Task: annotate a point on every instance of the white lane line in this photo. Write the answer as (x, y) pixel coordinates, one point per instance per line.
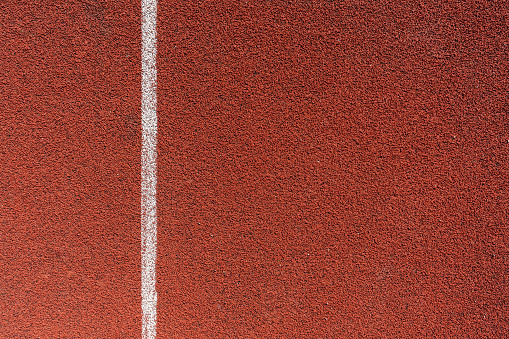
(148, 168)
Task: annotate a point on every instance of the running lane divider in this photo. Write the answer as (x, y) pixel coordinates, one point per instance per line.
(148, 167)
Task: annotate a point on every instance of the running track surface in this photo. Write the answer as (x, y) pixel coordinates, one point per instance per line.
(326, 169)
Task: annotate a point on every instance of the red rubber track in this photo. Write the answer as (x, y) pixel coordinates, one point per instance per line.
(70, 169)
(327, 169)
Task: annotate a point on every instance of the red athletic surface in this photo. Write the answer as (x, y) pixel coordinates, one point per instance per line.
(327, 169)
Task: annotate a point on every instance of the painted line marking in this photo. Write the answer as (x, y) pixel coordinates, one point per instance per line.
(148, 167)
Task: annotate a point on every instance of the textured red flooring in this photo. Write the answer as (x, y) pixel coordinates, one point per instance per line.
(327, 169)
(70, 170)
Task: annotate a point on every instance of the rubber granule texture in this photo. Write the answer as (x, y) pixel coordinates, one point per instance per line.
(326, 169)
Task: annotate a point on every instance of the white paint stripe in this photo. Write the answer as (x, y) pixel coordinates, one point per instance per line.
(148, 168)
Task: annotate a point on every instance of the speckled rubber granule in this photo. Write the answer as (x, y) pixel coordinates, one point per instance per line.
(326, 169)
